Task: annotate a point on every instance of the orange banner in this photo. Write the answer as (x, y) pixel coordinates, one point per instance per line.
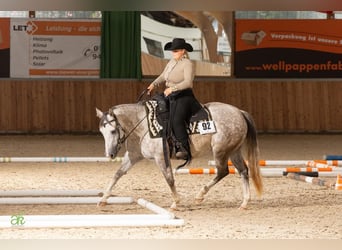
(288, 48)
(63, 28)
(319, 35)
(4, 33)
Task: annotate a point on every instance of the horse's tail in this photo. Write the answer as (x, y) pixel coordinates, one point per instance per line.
(253, 153)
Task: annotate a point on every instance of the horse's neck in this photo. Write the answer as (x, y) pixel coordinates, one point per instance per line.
(129, 115)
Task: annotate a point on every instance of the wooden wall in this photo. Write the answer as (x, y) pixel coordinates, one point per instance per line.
(68, 106)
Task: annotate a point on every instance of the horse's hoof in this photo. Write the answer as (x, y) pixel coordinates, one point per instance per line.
(242, 208)
(174, 207)
(102, 204)
(199, 201)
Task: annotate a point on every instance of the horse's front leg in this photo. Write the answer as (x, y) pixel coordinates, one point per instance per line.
(168, 174)
(127, 163)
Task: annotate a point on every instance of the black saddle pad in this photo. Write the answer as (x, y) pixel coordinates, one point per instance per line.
(155, 128)
(203, 115)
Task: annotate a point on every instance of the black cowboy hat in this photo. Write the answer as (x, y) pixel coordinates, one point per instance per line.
(178, 43)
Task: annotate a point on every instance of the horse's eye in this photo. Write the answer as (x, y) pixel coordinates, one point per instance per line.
(112, 132)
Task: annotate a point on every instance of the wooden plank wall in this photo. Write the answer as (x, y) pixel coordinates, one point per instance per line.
(68, 106)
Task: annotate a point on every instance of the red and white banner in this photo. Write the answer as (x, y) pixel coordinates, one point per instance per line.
(4, 47)
(55, 48)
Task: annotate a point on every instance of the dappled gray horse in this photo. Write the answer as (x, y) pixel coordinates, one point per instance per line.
(127, 124)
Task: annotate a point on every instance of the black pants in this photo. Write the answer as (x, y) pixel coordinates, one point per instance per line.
(182, 106)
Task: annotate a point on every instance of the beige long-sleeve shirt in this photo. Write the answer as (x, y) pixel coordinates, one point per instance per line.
(178, 74)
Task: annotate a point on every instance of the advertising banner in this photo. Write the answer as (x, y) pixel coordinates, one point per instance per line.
(288, 48)
(55, 48)
(4, 47)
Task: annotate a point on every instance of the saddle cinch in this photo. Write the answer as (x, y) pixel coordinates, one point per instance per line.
(158, 113)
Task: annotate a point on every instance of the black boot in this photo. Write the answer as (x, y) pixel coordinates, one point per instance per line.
(181, 154)
(183, 150)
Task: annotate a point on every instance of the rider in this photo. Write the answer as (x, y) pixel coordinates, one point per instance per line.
(178, 77)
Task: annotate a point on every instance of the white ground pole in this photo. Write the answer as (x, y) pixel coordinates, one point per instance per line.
(63, 200)
(23, 193)
(68, 221)
(160, 216)
(59, 159)
(154, 208)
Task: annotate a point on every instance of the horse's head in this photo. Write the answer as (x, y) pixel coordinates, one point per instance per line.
(112, 132)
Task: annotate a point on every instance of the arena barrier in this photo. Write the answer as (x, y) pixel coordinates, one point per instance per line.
(319, 164)
(312, 180)
(59, 159)
(267, 172)
(263, 163)
(338, 185)
(159, 216)
(332, 157)
(311, 174)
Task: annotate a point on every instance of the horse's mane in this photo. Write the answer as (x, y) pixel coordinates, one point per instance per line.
(126, 105)
(124, 108)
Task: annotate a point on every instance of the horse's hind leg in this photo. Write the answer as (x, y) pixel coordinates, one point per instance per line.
(222, 171)
(242, 168)
(127, 163)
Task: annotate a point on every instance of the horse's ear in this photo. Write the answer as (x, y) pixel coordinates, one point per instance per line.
(111, 111)
(99, 113)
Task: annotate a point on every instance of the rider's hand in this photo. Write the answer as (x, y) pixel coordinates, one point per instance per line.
(167, 91)
(150, 88)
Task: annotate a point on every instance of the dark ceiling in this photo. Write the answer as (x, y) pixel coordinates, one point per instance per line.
(169, 17)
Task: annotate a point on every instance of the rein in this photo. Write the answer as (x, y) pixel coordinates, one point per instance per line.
(130, 132)
(144, 92)
(122, 138)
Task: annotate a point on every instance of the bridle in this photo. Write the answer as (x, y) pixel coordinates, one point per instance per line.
(122, 134)
(118, 128)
